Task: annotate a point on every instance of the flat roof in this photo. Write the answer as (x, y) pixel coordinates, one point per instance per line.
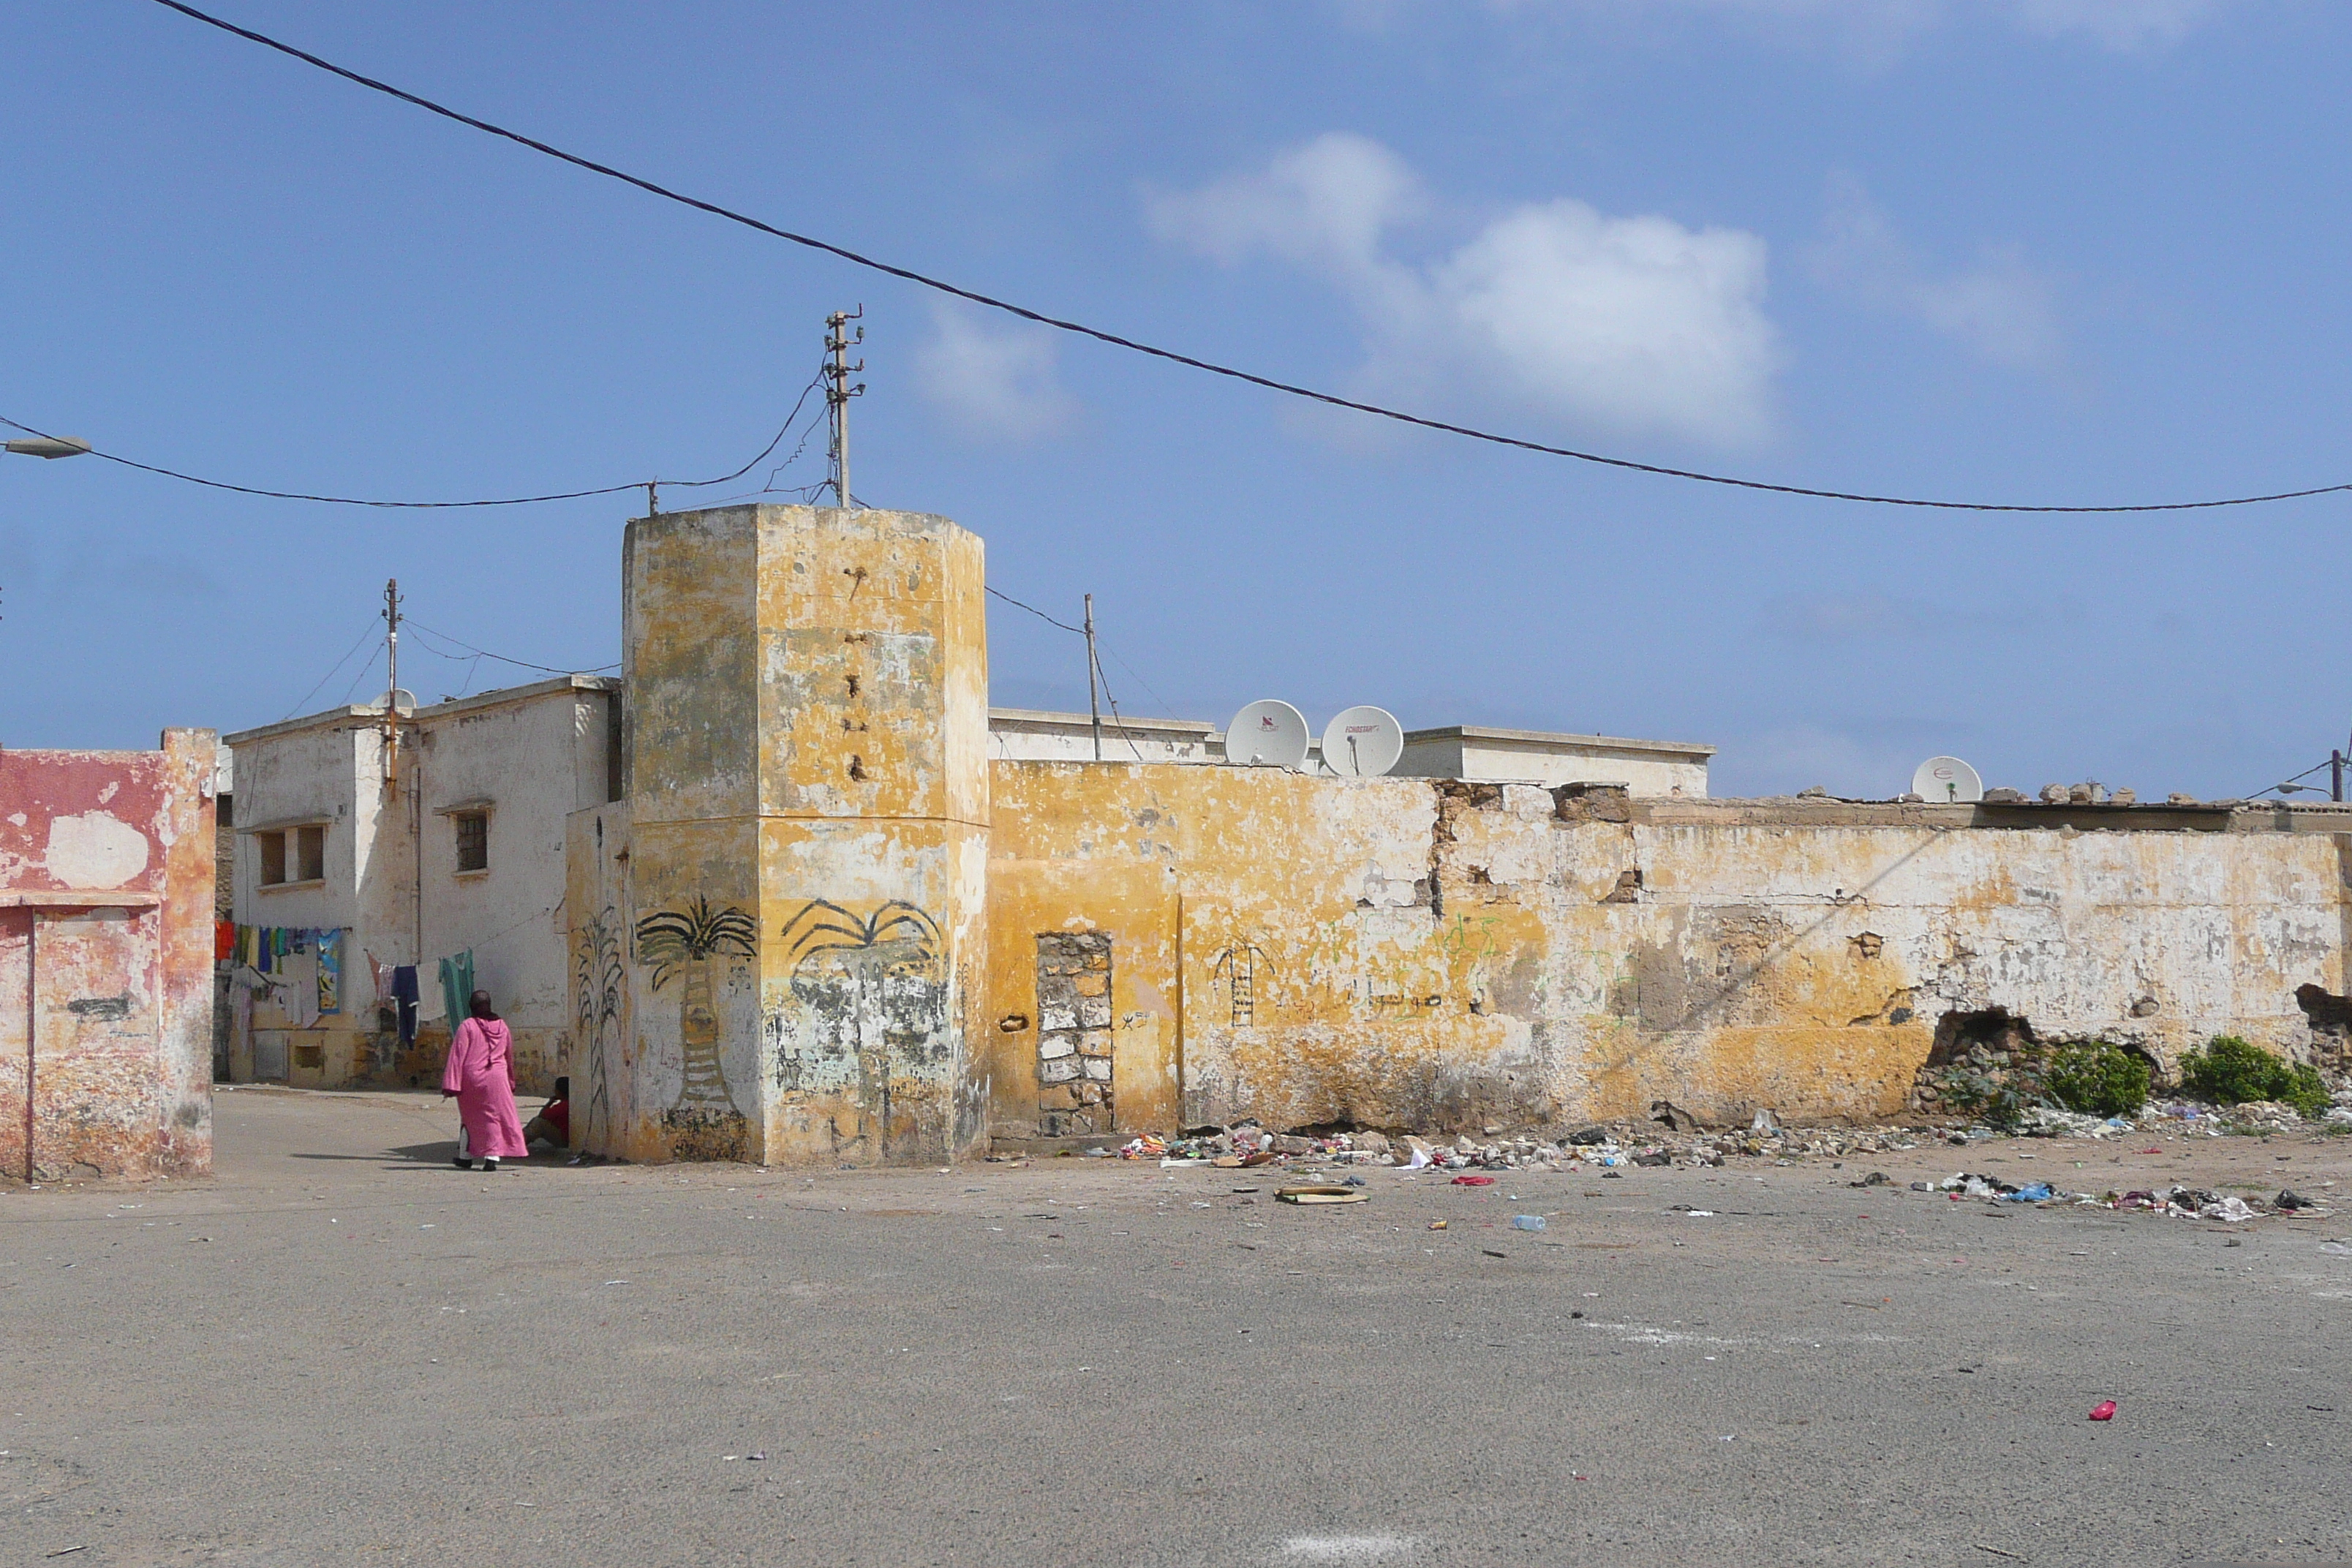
(1039, 719)
(1544, 739)
(479, 700)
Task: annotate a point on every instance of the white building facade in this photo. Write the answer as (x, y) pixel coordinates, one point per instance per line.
(365, 847)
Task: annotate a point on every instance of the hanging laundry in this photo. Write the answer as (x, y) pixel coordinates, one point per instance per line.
(404, 1001)
(224, 941)
(298, 975)
(264, 946)
(379, 975)
(331, 970)
(457, 984)
(433, 1005)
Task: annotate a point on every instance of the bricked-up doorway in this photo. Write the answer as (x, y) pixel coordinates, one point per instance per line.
(1074, 1033)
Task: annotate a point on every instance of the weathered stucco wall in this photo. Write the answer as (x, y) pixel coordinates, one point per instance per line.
(800, 922)
(106, 924)
(528, 756)
(1400, 952)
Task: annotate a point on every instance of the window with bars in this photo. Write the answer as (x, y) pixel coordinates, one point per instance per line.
(473, 829)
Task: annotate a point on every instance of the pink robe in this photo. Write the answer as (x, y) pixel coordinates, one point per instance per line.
(480, 1072)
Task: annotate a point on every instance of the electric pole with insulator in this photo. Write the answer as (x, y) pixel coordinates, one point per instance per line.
(838, 340)
(391, 681)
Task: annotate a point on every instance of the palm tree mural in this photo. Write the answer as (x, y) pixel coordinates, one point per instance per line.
(873, 986)
(603, 978)
(683, 941)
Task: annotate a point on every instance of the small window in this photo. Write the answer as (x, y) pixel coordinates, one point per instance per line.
(311, 845)
(473, 840)
(273, 857)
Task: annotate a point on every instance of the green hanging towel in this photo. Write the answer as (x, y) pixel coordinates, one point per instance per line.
(457, 988)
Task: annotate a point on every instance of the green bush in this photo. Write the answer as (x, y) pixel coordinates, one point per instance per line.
(2232, 1071)
(2305, 1090)
(2099, 1080)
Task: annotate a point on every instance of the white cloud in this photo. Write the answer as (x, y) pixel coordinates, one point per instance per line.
(1873, 30)
(2117, 23)
(1870, 615)
(993, 382)
(1633, 324)
(2000, 309)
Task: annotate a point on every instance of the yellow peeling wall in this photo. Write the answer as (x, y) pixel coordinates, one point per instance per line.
(1439, 956)
(795, 895)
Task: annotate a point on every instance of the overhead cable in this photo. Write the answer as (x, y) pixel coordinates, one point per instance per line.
(436, 505)
(485, 652)
(1036, 611)
(1211, 366)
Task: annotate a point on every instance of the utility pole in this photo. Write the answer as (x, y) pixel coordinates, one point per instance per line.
(1094, 702)
(838, 340)
(2335, 775)
(392, 682)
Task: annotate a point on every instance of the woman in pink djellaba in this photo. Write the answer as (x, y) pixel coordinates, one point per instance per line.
(480, 1078)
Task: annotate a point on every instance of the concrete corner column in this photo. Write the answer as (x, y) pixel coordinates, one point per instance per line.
(806, 773)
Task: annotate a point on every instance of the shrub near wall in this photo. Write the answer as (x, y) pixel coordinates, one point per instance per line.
(2232, 1071)
(2098, 1078)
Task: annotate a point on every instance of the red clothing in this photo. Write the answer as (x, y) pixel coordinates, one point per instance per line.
(481, 1073)
(559, 1116)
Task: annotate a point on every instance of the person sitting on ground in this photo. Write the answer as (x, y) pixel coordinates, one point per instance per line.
(479, 1076)
(553, 1125)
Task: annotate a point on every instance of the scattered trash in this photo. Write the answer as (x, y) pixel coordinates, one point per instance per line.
(2104, 1410)
(1877, 1179)
(1437, 1224)
(2031, 1193)
(1474, 1180)
(1492, 1252)
(2289, 1199)
(1311, 1195)
(1527, 1222)
(2228, 1210)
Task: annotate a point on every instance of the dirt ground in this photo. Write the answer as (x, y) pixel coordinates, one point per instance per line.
(341, 1349)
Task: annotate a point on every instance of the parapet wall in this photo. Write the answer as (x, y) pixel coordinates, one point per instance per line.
(106, 961)
(1434, 954)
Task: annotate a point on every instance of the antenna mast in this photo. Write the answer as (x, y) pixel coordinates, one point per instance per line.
(391, 681)
(838, 340)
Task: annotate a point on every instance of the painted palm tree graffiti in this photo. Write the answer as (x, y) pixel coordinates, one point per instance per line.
(1238, 965)
(683, 942)
(875, 991)
(601, 978)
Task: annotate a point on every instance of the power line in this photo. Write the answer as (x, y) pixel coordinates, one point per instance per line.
(1210, 366)
(435, 505)
(364, 633)
(485, 652)
(1036, 611)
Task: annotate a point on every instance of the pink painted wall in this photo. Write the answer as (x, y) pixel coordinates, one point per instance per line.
(106, 961)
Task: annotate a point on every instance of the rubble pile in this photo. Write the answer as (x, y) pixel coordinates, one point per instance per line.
(1607, 1146)
(2174, 1201)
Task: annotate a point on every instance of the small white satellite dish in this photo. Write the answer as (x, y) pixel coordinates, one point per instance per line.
(1947, 780)
(404, 701)
(1362, 743)
(1269, 734)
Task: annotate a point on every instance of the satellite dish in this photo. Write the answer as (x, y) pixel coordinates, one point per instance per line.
(404, 701)
(1362, 743)
(1268, 734)
(1947, 780)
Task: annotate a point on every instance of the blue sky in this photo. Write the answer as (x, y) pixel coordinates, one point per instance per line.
(2070, 251)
